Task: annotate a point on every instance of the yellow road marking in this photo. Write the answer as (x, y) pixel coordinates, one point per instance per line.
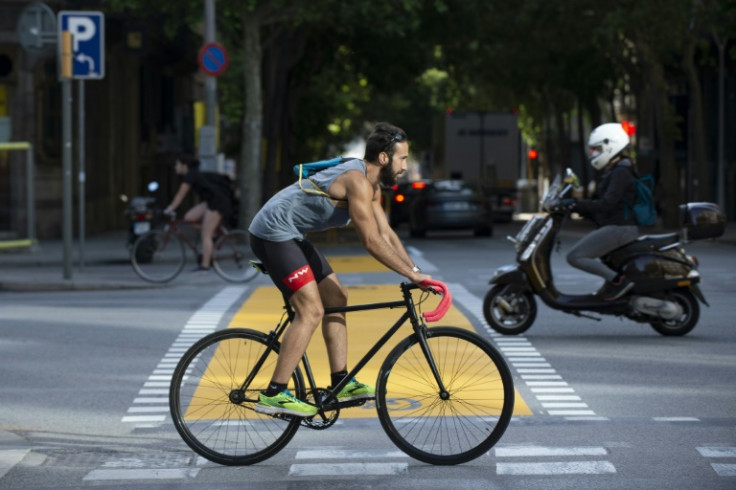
(344, 264)
(261, 312)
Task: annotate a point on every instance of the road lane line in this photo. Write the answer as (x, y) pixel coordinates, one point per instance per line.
(717, 451)
(536, 451)
(11, 457)
(347, 453)
(348, 469)
(142, 474)
(724, 469)
(556, 468)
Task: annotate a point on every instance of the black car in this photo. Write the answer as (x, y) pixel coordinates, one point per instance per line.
(503, 204)
(450, 205)
(402, 195)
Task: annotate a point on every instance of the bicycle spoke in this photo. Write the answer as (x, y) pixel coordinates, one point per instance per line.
(221, 429)
(158, 256)
(231, 257)
(459, 427)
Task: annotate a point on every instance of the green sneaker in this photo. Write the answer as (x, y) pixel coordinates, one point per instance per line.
(284, 403)
(355, 390)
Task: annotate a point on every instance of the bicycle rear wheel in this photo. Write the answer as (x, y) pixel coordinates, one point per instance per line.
(157, 256)
(210, 411)
(231, 256)
(450, 428)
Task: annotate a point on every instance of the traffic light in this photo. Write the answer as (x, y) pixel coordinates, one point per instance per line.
(532, 154)
(629, 127)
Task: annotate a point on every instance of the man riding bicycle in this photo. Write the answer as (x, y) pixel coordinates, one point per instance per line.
(349, 191)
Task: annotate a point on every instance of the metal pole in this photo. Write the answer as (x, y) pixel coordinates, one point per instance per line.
(82, 176)
(210, 82)
(66, 117)
(721, 180)
(30, 195)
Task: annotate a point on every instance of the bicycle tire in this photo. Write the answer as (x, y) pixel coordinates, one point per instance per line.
(202, 409)
(445, 431)
(164, 256)
(231, 257)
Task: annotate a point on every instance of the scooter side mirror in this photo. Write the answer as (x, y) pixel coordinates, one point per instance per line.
(571, 178)
(152, 186)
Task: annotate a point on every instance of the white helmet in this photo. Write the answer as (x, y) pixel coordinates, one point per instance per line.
(605, 142)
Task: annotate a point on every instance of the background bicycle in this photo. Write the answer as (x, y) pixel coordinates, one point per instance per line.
(444, 395)
(160, 255)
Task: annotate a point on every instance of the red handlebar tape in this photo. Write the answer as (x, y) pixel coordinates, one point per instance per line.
(437, 314)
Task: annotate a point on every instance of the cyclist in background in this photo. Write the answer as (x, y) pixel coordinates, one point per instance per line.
(215, 192)
(350, 191)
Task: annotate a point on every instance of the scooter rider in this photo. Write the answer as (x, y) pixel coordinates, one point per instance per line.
(615, 227)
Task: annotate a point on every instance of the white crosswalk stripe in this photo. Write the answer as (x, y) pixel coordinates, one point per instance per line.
(721, 469)
(204, 321)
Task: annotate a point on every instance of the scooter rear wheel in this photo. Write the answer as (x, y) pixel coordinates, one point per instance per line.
(509, 313)
(686, 321)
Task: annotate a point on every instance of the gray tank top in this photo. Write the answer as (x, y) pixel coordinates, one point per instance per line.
(291, 213)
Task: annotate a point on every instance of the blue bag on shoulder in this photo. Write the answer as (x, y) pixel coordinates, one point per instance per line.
(305, 170)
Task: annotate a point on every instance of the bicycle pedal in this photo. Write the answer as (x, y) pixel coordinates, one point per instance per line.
(354, 403)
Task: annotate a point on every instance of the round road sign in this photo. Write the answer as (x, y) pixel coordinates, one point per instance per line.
(36, 28)
(213, 59)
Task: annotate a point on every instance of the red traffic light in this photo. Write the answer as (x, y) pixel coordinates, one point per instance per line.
(629, 127)
(533, 154)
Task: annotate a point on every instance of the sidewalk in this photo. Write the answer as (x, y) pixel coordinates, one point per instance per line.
(41, 267)
(107, 263)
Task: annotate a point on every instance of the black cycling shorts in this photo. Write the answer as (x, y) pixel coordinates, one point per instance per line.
(291, 264)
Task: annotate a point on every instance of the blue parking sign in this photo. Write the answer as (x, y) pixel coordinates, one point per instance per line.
(88, 42)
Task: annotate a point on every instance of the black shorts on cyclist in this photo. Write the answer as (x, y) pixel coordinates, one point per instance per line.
(291, 264)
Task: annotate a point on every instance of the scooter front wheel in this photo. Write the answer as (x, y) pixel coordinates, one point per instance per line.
(509, 313)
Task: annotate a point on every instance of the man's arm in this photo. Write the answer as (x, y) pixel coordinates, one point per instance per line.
(385, 230)
(360, 195)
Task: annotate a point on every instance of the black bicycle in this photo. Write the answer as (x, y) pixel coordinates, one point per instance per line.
(444, 395)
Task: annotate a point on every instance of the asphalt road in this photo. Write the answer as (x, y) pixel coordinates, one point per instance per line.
(614, 404)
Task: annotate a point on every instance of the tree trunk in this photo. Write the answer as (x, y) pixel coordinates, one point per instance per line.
(249, 174)
(698, 156)
(668, 190)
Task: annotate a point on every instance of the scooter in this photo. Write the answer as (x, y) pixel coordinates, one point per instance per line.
(665, 293)
(141, 213)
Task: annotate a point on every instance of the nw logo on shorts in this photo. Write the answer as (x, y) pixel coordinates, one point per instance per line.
(298, 274)
(299, 278)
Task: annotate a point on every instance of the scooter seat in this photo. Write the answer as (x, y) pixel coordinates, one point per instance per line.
(653, 242)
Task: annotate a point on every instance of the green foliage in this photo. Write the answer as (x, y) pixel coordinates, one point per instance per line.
(407, 61)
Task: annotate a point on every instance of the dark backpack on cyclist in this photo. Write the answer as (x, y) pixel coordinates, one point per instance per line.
(645, 213)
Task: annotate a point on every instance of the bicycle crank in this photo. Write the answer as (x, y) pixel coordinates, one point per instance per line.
(326, 417)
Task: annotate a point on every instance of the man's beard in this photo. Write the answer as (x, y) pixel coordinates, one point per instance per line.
(388, 176)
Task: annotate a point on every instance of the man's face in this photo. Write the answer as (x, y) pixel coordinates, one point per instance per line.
(396, 167)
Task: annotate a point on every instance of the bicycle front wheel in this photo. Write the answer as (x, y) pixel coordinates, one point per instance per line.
(214, 414)
(231, 257)
(157, 256)
(452, 427)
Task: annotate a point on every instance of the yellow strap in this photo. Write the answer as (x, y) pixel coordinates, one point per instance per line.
(316, 189)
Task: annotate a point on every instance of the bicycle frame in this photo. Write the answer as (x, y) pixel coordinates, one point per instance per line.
(410, 314)
(174, 227)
